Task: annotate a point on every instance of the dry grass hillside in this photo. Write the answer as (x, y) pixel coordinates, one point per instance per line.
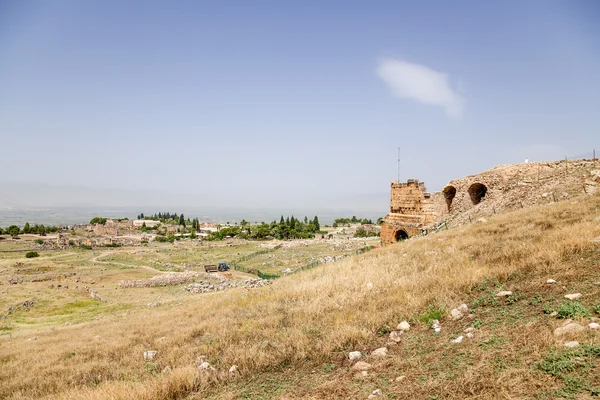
(291, 339)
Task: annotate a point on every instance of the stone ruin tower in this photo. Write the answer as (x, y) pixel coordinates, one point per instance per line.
(412, 210)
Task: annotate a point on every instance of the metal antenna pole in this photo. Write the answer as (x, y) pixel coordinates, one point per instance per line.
(398, 164)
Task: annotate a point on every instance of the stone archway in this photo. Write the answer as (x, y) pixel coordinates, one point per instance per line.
(400, 234)
(477, 192)
(449, 193)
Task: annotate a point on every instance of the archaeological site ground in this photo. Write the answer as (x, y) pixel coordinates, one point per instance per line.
(488, 289)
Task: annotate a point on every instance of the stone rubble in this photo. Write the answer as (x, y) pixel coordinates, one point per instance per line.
(396, 336)
(572, 345)
(594, 325)
(375, 393)
(362, 366)
(207, 286)
(354, 355)
(567, 328)
(550, 281)
(150, 354)
(504, 293)
(458, 340)
(573, 296)
(403, 326)
(435, 325)
(380, 352)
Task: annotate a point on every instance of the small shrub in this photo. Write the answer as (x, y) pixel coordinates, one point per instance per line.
(547, 308)
(71, 243)
(596, 308)
(85, 247)
(32, 254)
(431, 314)
(39, 241)
(572, 309)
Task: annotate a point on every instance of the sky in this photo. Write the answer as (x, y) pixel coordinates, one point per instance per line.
(272, 104)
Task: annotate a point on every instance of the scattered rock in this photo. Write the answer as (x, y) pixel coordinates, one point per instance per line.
(594, 325)
(31, 339)
(435, 325)
(573, 296)
(572, 344)
(354, 355)
(205, 366)
(375, 393)
(470, 335)
(571, 327)
(504, 293)
(400, 378)
(166, 370)
(458, 340)
(550, 281)
(469, 329)
(380, 352)
(362, 366)
(233, 369)
(456, 314)
(396, 336)
(554, 313)
(403, 326)
(481, 220)
(369, 286)
(150, 354)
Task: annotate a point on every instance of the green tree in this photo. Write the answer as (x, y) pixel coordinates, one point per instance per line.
(13, 230)
(26, 228)
(316, 223)
(193, 235)
(182, 220)
(379, 221)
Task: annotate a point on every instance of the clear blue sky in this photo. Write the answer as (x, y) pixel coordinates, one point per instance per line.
(300, 102)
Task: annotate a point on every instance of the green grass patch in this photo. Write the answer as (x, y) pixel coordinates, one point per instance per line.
(572, 309)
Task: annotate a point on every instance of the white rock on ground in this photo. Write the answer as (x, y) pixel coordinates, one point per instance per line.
(470, 335)
(504, 293)
(362, 366)
(380, 352)
(593, 325)
(400, 378)
(456, 314)
(458, 340)
(150, 354)
(403, 326)
(354, 355)
(469, 329)
(233, 369)
(464, 308)
(435, 325)
(550, 281)
(396, 336)
(375, 393)
(572, 344)
(573, 296)
(369, 286)
(571, 327)
(554, 313)
(205, 366)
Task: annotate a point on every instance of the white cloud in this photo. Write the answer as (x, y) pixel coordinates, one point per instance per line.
(422, 84)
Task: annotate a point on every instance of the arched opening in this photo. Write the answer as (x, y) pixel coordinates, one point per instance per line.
(477, 192)
(401, 235)
(449, 193)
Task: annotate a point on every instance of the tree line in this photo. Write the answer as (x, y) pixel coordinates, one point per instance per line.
(286, 228)
(36, 229)
(348, 221)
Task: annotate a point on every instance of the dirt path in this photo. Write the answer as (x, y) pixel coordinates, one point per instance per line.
(107, 253)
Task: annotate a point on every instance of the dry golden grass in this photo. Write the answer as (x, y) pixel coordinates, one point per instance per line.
(284, 332)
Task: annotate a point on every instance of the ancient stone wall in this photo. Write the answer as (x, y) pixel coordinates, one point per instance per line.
(412, 209)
